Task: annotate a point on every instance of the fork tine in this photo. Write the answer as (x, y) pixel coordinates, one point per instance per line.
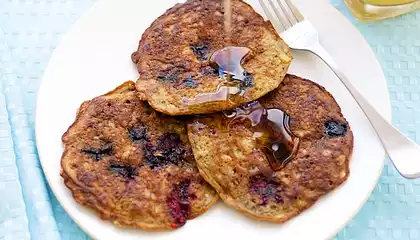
(290, 18)
(299, 17)
(279, 26)
(284, 20)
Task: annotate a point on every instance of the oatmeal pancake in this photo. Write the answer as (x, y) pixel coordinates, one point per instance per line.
(234, 158)
(174, 58)
(133, 165)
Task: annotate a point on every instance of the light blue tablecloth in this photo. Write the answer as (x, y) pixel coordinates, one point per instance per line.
(31, 29)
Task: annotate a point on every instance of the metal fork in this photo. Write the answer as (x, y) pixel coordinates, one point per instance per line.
(300, 34)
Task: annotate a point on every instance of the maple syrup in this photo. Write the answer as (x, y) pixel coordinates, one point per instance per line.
(228, 63)
(222, 94)
(227, 8)
(271, 131)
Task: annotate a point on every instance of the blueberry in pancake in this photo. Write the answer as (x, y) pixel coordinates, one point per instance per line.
(133, 165)
(274, 158)
(177, 58)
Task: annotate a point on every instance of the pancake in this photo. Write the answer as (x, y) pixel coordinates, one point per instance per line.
(133, 165)
(230, 157)
(174, 53)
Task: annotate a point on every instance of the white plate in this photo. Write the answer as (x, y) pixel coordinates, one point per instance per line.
(94, 58)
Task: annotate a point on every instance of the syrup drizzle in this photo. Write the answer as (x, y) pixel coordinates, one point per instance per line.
(222, 94)
(227, 7)
(271, 132)
(228, 62)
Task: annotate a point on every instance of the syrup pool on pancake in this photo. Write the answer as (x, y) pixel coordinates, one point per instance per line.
(234, 79)
(271, 130)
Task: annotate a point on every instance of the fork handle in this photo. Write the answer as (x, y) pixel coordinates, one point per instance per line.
(402, 151)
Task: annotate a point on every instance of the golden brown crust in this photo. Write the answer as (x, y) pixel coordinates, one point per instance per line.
(231, 161)
(132, 165)
(173, 56)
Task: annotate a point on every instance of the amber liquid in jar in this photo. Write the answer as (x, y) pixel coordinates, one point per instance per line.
(373, 10)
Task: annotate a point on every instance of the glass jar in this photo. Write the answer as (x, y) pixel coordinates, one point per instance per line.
(372, 10)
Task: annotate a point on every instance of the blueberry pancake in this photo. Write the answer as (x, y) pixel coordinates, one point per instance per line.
(232, 156)
(174, 58)
(133, 165)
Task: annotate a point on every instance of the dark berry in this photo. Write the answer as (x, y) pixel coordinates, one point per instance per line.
(202, 50)
(169, 149)
(169, 74)
(99, 153)
(125, 171)
(152, 159)
(168, 78)
(183, 190)
(266, 189)
(247, 82)
(137, 133)
(189, 82)
(335, 129)
(178, 203)
(208, 71)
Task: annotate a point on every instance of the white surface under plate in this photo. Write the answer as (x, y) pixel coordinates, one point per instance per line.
(94, 57)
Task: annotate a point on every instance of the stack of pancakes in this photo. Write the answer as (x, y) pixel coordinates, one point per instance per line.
(142, 157)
